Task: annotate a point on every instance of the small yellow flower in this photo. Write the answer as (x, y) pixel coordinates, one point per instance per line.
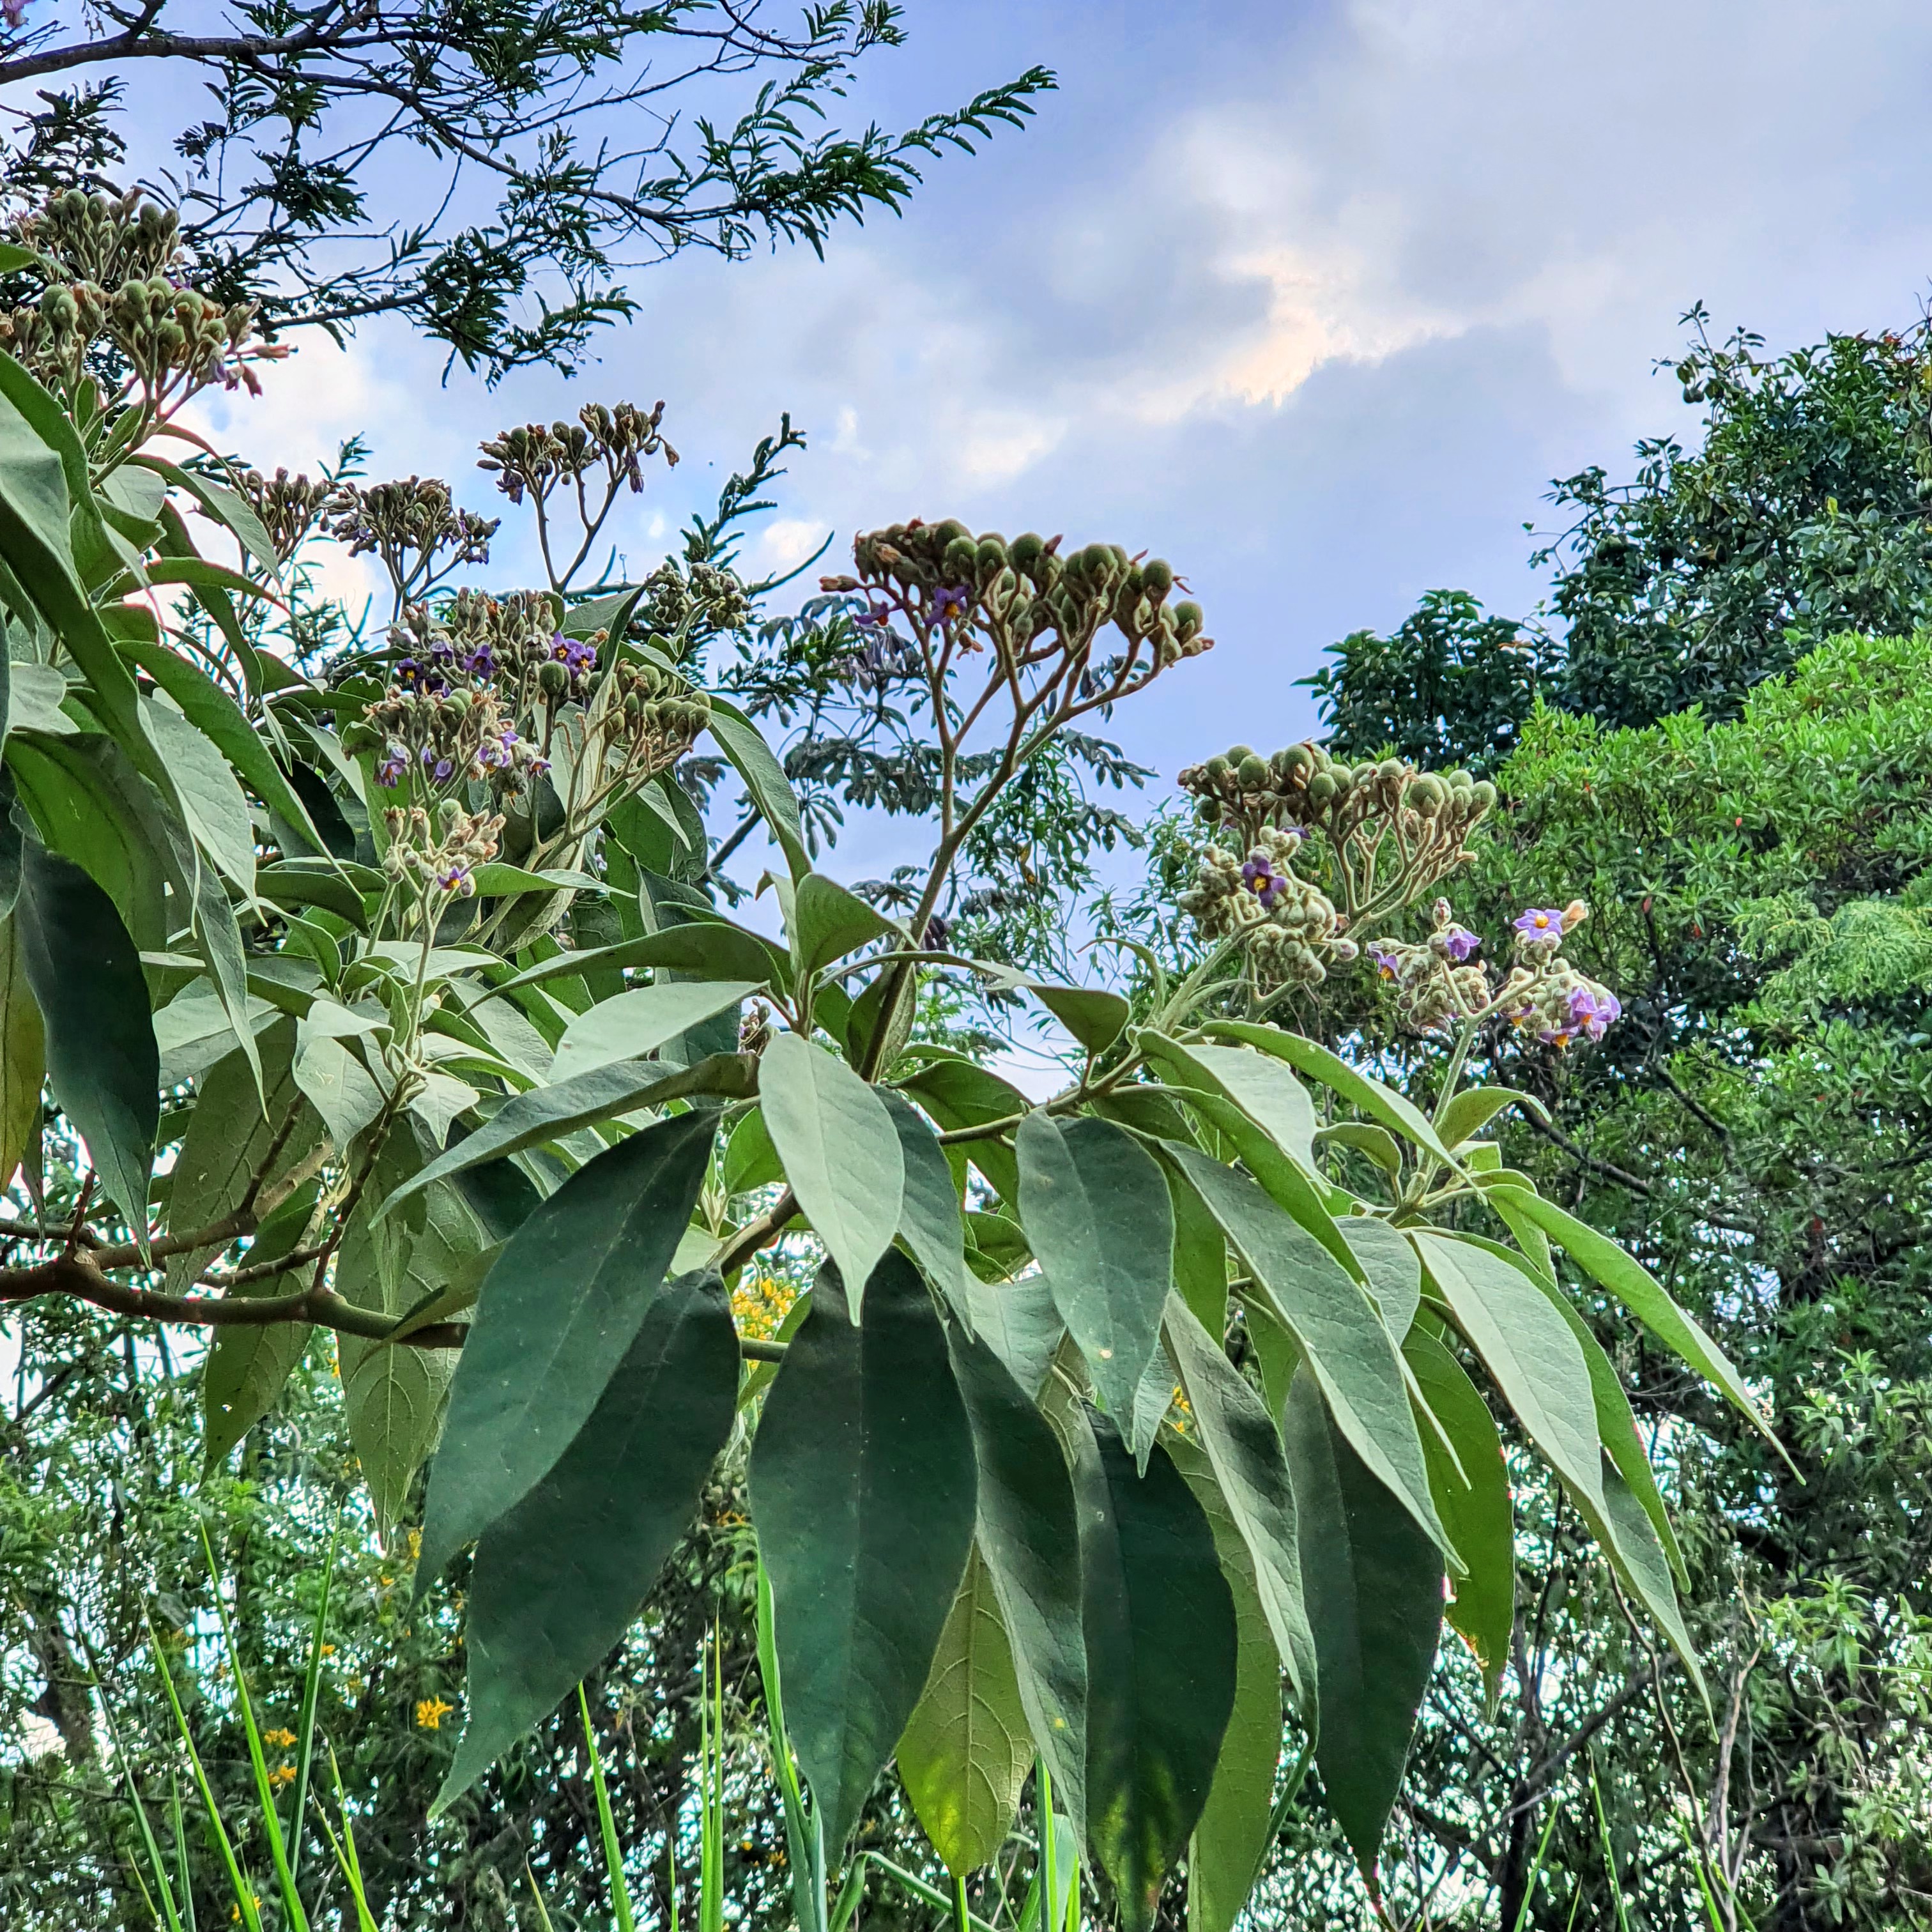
(387, 1582)
(280, 1739)
(431, 1713)
(760, 1305)
(234, 1911)
(283, 1773)
(329, 1650)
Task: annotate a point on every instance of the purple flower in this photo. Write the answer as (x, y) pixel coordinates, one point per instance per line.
(874, 617)
(493, 753)
(1540, 924)
(1261, 878)
(395, 762)
(451, 877)
(1459, 943)
(575, 655)
(439, 769)
(13, 11)
(481, 662)
(1594, 1010)
(1387, 960)
(947, 605)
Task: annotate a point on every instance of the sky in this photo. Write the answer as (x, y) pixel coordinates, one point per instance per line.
(1312, 300)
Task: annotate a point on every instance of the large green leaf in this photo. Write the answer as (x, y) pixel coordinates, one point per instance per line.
(1029, 1535)
(557, 1314)
(862, 1491)
(957, 1094)
(1403, 1119)
(1333, 1322)
(701, 949)
(1530, 1353)
(557, 1581)
(1094, 1204)
(1018, 1318)
(1161, 1646)
(216, 808)
(34, 696)
(101, 1059)
(1095, 1017)
(23, 1056)
(228, 1140)
(765, 780)
(1244, 1448)
(1642, 1294)
(331, 1073)
(1375, 1604)
(1236, 1826)
(247, 1367)
(1200, 1254)
(554, 1113)
(841, 1152)
(1394, 1274)
(965, 1752)
(639, 1022)
(1262, 1087)
(1473, 1503)
(929, 1219)
(828, 923)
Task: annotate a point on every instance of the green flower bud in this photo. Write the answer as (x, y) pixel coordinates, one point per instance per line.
(1188, 618)
(1026, 552)
(1322, 788)
(992, 552)
(1483, 795)
(552, 678)
(961, 556)
(1253, 772)
(1157, 577)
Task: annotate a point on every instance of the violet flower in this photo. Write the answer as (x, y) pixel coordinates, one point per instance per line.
(948, 604)
(1386, 960)
(1459, 943)
(1593, 1010)
(576, 657)
(1540, 924)
(395, 762)
(1261, 878)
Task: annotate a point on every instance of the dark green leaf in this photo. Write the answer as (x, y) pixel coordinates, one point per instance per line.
(1243, 1447)
(558, 1579)
(1394, 1274)
(1470, 1110)
(1375, 1605)
(965, 1752)
(22, 1055)
(102, 1061)
(1161, 1642)
(1094, 1205)
(557, 1314)
(959, 1094)
(764, 778)
(929, 1218)
(840, 1151)
(702, 949)
(1474, 1505)
(247, 1367)
(862, 1491)
(828, 923)
(1095, 1017)
(1333, 1322)
(1028, 1534)
(639, 1022)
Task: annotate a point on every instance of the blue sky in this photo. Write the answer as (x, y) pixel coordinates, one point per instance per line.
(1312, 300)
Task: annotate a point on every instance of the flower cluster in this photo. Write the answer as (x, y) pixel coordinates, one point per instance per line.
(532, 460)
(113, 282)
(436, 723)
(287, 505)
(437, 858)
(759, 1304)
(1293, 931)
(413, 526)
(683, 606)
(1388, 831)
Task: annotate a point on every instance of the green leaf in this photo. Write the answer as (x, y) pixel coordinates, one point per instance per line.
(959, 1094)
(641, 1022)
(22, 1057)
(214, 805)
(1394, 1274)
(1028, 1533)
(1329, 1315)
(292, 883)
(1529, 1351)
(228, 1139)
(965, 1752)
(339, 1086)
(1264, 1089)
(558, 1580)
(840, 1151)
(1094, 1205)
(1243, 1447)
(703, 949)
(225, 506)
(1236, 1826)
(1095, 1017)
(929, 1217)
(1380, 1145)
(1375, 1605)
(556, 1316)
(1470, 1110)
(102, 1061)
(1161, 1643)
(765, 780)
(35, 695)
(214, 713)
(1474, 1506)
(1640, 1291)
(862, 1490)
(1200, 1254)
(194, 1030)
(1398, 1115)
(828, 923)
(247, 1367)
(554, 1113)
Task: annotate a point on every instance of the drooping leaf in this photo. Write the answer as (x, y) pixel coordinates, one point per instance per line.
(1236, 1825)
(1329, 1316)
(1473, 1504)
(1375, 1604)
(965, 1753)
(862, 1491)
(1161, 1646)
(929, 1218)
(216, 809)
(840, 1151)
(35, 695)
(22, 1057)
(1095, 1017)
(829, 922)
(1394, 1272)
(554, 1113)
(1263, 1088)
(701, 949)
(558, 1579)
(332, 1073)
(1470, 1110)
(101, 1059)
(1094, 1205)
(957, 1094)
(1200, 1254)
(639, 1022)
(557, 1314)
(1640, 1291)
(1244, 1448)
(1027, 1533)
(1018, 1318)
(765, 780)
(247, 1366)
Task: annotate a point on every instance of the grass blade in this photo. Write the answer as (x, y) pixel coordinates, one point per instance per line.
(311, 1691)
(613, 1856)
